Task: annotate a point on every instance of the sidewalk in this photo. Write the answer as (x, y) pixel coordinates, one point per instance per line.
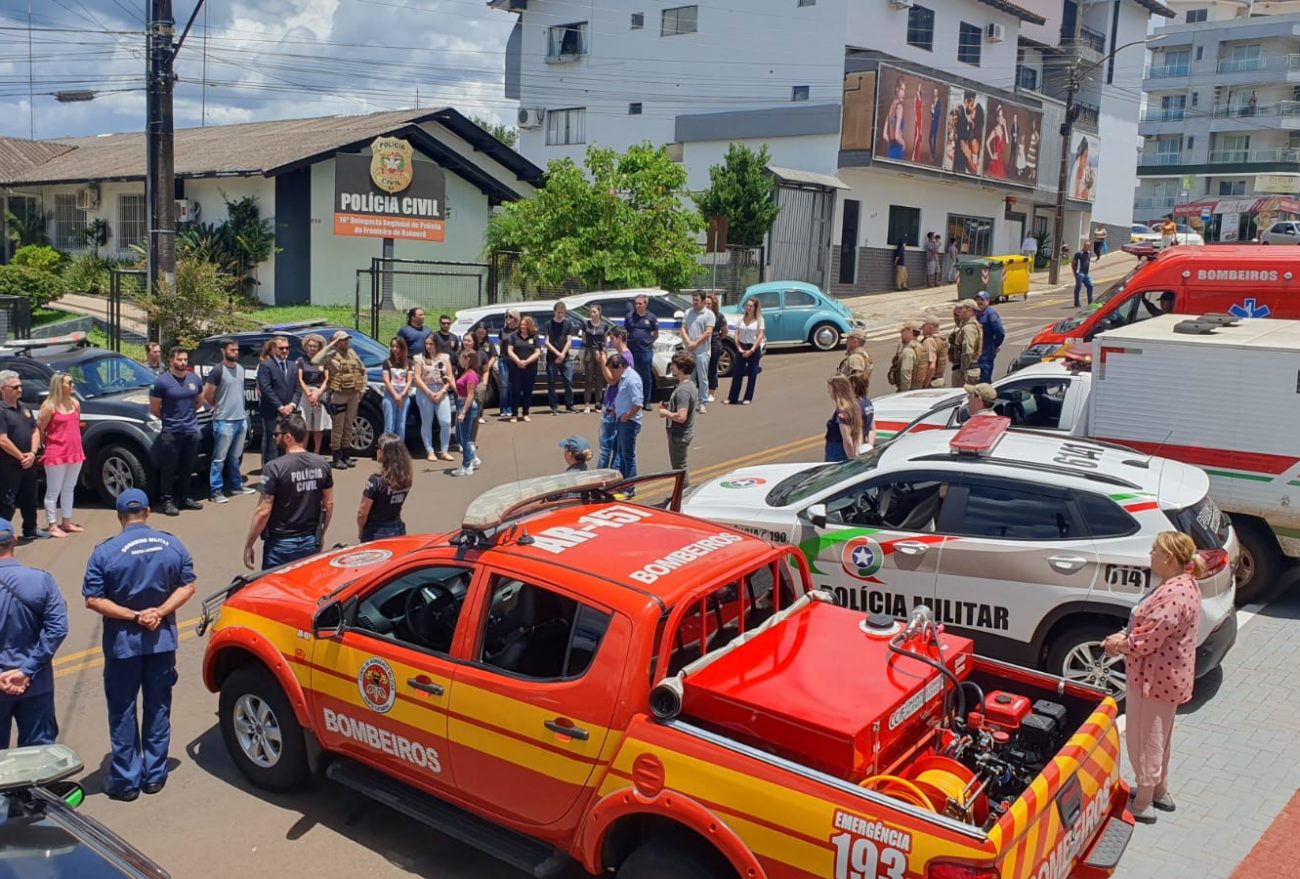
(133, 318)
(893, 307)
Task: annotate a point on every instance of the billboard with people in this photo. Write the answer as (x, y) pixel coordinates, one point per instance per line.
(909, 118)
(1085, 151)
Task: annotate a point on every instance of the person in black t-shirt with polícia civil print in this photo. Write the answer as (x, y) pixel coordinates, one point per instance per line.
(297, 500)
(380, 512)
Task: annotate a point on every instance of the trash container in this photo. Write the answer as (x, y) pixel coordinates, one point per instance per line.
(979, 273)
(1015, 275)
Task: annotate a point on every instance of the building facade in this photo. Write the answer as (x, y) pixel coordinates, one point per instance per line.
(860, 105)
(445, 174)
(1221, 128)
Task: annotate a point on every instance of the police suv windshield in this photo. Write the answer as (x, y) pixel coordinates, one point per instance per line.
(110, 374)
(813, 481)
(372, 353)
(1073, 323)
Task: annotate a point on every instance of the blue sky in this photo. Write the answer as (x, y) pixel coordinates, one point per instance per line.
(265, 59)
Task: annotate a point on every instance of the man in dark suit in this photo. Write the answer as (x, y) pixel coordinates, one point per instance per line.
(277, 388)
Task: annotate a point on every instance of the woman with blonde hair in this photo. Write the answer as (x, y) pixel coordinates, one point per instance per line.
(59, 421)
(313, 381)
(844, 427)
(1159, 647)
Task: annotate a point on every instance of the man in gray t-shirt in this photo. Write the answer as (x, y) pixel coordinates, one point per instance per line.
(679, 412)
(698, 325)
(223, 390)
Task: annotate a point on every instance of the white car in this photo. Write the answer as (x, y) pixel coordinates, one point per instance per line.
(1282, 232)
(669, 308)
(1139, 234)
(1184, 234)
(1036, 546)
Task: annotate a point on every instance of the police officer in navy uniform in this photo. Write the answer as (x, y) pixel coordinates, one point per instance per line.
(136, 581)
(33, 623)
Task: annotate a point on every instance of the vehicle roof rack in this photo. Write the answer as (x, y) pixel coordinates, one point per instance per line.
(295, 325)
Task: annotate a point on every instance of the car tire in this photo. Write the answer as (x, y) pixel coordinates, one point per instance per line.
(1075, 654)
(825, 337)
(117, 468)
(260, 731)
(658, 859)
(726, 360)
(1260, 565)
(367, 427)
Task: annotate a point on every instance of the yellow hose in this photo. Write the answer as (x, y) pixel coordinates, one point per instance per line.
(951, 785)
(914, 794)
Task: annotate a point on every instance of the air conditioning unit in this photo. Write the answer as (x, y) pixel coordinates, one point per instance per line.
(901, 4)
(531, 117)
(187, 211)
(994, 32)
(88, 198)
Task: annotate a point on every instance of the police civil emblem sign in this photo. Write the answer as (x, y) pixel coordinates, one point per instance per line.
(862, 557)
(390, 163)
(376, 684)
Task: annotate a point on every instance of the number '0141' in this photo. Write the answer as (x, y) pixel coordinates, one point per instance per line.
(858, 858)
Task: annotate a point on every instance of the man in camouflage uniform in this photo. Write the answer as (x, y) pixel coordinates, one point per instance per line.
(936, 349)
(347, 382)
(856, 358)
(965, 345)
(910, 365)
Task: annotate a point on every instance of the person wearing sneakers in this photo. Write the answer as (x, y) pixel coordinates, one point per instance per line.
(59, 420)
(679, 413)
(223, 390)
(577, 453)
(466, 412)
(1159, 646)
(618, 339)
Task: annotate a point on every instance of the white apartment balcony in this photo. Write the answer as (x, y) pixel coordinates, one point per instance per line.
(1154, 202)
(1281, 116)
(1262, 70)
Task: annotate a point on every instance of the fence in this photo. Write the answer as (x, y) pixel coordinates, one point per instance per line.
(127, 283)
(392, 286)
(15, 318)
(730, 273)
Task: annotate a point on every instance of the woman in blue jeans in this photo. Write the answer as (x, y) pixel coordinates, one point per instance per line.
(433, 393)
(397, 387)
(380, 512)
(749, 338)
(467, 411)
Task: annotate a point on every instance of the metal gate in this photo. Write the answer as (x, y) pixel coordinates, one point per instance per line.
(15, 318)
(800, 240)
(123, 283)
(397, 285)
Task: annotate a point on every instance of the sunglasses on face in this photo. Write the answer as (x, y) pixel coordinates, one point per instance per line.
(282, 347)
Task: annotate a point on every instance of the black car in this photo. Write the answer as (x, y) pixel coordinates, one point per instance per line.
(42, 835)
(118, 430)
(370, 417)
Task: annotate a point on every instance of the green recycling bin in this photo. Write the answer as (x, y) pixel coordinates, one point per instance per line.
(976, 273)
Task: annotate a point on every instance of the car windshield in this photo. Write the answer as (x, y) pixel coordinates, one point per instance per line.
(811, 482)
(110, 374)
(1076, 321)
(583, 313)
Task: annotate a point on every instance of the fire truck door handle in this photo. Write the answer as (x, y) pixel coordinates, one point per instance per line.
(1066, 564)
(565, 729)
(424, 685)
(911, 547)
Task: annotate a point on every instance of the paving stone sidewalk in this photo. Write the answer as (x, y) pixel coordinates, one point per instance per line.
(1236, 760)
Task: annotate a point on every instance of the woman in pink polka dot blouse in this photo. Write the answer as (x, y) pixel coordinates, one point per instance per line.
(1159, 647)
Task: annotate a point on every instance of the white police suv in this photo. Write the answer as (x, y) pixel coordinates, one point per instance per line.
(1035, 545)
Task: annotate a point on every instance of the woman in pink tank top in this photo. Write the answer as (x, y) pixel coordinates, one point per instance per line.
(60, 425)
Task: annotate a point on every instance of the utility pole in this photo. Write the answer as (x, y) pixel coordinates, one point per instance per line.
(1067, 128)
(160, 160)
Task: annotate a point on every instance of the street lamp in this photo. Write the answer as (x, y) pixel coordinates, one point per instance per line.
(1067, 129)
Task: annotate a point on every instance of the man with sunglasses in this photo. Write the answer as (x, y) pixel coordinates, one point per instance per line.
(20, 440)
(277, 391)
(448, 343)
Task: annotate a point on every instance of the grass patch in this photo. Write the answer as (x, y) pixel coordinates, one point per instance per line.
(43, 316)
(99, 338)
(337, 315)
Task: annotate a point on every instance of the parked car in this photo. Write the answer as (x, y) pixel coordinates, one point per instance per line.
(1139, 234)
(369, 423)
(794, 313)
(1184, 235)
(1282, 232)
(615, 304)
(120, 431)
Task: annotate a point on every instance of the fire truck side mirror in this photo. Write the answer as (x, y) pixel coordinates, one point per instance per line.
(328, 621)
(816, 514)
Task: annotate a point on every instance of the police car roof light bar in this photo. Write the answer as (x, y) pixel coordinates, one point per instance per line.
(295, 325)
(980, 435)
(71, 339)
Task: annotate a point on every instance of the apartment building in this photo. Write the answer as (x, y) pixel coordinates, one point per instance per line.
(885, 119)
(1221, 128)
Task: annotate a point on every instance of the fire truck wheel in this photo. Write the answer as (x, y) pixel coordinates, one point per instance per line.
(1260, 565)
(261, 733)
(660, 860)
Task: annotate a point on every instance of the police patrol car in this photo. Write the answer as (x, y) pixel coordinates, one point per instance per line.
(1035, 545)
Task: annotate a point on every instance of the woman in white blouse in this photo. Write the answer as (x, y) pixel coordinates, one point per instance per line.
(749, 351)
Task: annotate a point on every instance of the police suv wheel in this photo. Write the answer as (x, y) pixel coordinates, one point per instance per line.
(261, 733)
(726, 361)
(118, 468)
(1077, 656)
(682, 859)
(825, 337)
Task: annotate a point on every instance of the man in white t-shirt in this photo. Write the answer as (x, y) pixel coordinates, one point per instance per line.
(697, 330)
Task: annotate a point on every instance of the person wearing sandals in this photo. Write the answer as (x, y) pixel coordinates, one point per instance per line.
(397, 387)
(433, 389)
(467, 411)
(313, 381)
(59, 421)
(380, 512)
(1159, 647)
(749, 352)
(524, 352)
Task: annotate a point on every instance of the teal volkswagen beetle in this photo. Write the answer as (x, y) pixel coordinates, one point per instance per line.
(794, 313)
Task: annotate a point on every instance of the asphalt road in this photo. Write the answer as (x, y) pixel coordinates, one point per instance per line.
(208, 822)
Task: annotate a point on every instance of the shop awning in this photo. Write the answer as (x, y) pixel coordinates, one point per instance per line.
(1271, 204)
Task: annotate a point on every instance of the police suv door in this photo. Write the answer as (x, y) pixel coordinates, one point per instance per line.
(878, 551)
(381, 687)
(1016, 552)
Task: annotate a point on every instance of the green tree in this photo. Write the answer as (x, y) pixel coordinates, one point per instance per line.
(740, 189)
(622, 223)
(504, 133)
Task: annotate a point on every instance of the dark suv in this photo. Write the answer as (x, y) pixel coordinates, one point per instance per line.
(370, 417)
(118, 430)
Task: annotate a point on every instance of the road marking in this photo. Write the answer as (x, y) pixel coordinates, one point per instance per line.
(98, 660)
(68, 658)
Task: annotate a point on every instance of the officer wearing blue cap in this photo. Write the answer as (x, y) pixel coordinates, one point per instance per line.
(33, 623)
(136, 581)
